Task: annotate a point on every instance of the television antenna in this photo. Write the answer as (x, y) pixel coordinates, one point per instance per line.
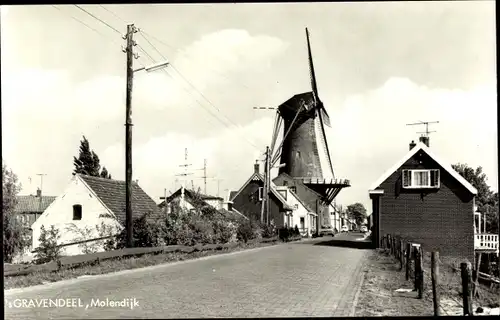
(426, 123)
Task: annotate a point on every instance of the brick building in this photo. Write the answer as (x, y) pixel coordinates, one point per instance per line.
(423, 199)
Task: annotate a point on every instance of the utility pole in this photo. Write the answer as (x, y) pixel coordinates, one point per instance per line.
(264, 212)
(205, 176)
(128, 133)
(268, 184)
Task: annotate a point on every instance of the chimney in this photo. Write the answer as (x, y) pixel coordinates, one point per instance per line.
(412, 144)
(256, 166)
(424, 140)
(38, 192)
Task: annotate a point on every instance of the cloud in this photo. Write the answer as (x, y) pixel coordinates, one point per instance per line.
(49, 111)
(369, 131)
(156, 163)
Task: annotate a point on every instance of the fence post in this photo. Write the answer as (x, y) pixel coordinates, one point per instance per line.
(408, 260)
(388, 239)
(475, 292)
(466, 272)
(435, 281)
(401, 255)
(419, 272)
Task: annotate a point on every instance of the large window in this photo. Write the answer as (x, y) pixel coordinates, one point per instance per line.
(415, 179)
(77, 212)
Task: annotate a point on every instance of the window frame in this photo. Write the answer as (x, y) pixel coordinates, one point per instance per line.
(411, 173)
(260, 193)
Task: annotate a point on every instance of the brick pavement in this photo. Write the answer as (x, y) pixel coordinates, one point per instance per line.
(297, 279)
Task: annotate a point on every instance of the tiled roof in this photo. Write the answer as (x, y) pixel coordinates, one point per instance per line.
(33, 203)
(112, 194)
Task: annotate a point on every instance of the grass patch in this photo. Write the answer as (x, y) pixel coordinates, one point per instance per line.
(383, 276)
(113, 265)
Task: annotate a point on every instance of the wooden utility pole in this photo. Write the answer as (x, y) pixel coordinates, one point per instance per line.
(128, 134)
(264, 212)
(268, 184)
(205, 176)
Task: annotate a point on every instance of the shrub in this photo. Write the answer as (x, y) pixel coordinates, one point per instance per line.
(224, 231)
(283, 234)
(202, 231)
(268, 231)
(48, 250)
(146, 233)
(296, 231)
(247, 230)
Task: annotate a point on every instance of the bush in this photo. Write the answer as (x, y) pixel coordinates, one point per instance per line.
(296, 231)
(224, 231)
(247, 230)
(268, 231)
(48, 249)
(146, 233)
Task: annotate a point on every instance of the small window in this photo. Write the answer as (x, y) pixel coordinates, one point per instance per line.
(414, 179)
(295, 207)
(293, 189)
(283, 193)
(261, 193)
(77, 212)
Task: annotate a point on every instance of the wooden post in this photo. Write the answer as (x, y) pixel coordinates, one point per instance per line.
(401, 255)
(128, 136)
(466, 272)
(408, 260)
(435, 281)
(419, 272)
(476, 276)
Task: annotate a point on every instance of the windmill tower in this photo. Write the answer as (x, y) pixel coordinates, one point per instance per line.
(304, 152)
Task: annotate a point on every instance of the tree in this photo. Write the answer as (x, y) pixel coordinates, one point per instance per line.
(486, 199)
(14, 233)
(357, 212)
(48, 249)
(88, 162)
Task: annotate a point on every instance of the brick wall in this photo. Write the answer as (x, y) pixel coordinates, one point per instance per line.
(439, 219)
(247, 202)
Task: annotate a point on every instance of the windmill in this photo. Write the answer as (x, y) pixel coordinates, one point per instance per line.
(304, 152)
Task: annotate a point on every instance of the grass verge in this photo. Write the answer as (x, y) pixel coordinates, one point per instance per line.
(113, 265)
(383, 277)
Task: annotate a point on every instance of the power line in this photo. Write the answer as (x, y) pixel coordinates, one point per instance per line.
(114, 14)
(83, 23)
(199, 92)
(98, 19)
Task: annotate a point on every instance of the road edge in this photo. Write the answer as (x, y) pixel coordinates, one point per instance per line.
(358, 290)
(127, 271)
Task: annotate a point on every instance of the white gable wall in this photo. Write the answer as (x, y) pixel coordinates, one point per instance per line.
(298, 211)
(60, 214)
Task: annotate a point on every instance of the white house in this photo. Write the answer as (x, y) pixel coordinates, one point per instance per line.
(188, 199)
(88, 202)
(301, 216)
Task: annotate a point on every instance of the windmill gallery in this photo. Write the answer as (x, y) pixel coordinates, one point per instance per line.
(305, 167)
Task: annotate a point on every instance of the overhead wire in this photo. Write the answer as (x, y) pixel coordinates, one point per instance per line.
(144, 34)
(83, 23)
(98, 19)
(198, 91)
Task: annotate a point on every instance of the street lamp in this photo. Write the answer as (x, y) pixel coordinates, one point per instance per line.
(154, 67)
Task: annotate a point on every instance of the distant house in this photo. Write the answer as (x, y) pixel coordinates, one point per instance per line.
(89, 201)
(422, 198)
(248, 200)
(302, 215)
(311, 198)
(30, 208)
(190, 200)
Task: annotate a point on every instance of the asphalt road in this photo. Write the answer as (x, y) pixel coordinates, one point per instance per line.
(308, 278)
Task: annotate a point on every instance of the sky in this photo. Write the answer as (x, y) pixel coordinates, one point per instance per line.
(379, 66)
